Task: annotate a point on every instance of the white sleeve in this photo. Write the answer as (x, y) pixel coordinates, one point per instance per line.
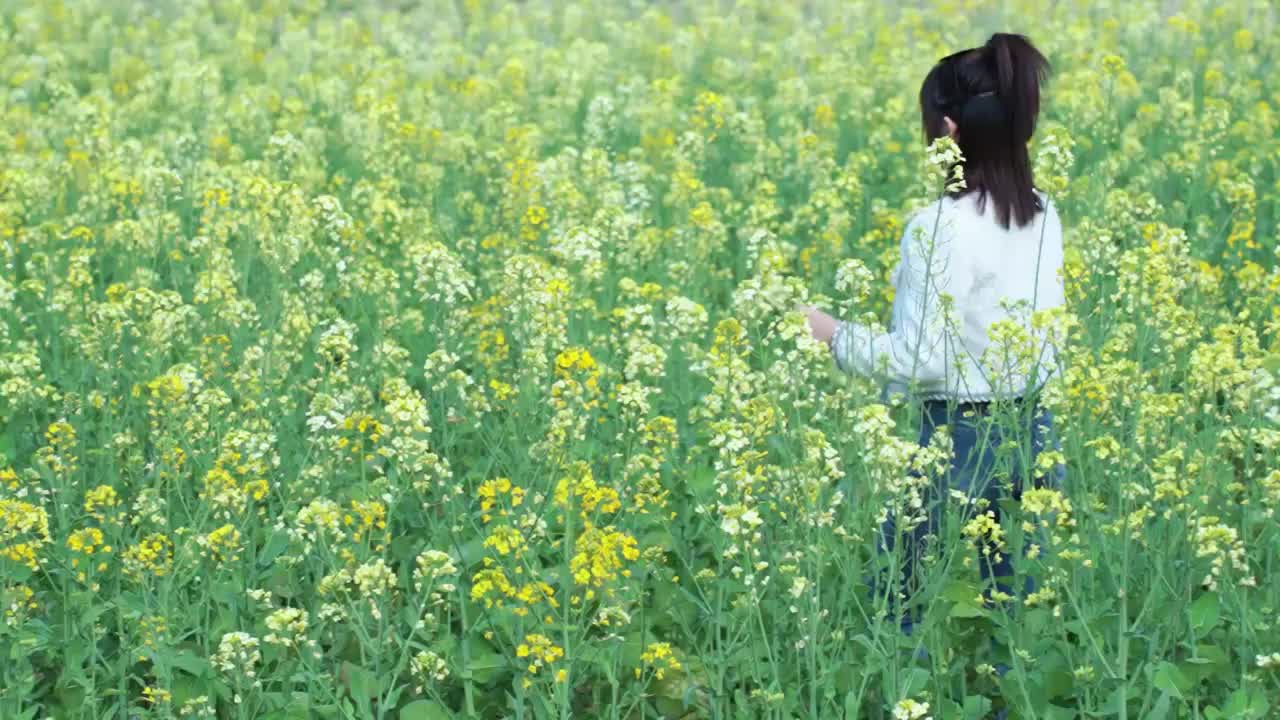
(915, 346)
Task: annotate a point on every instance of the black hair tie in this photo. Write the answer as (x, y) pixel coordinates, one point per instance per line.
(988, 94)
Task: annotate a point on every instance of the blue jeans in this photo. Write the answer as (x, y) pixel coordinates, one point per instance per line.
(980, 470)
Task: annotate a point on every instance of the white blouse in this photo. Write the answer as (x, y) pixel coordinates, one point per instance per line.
(952, 250)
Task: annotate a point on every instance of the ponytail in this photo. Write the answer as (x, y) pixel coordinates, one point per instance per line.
(992, 94)
(1019, 69)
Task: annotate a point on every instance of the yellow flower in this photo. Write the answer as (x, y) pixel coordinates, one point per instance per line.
(535, 215)
(1112, 64)
(702, 216)
(24, 529)
(491, 585)
(983, 527)
(824, 116)
(86, 541)
(493, 490)
(17, 601)
(574, 359)
(661, 657)
(155, 696)
(539, 650)
(505, 540)
(60, 435)
(153, 555)
(1042, 501)
(224, 542)
(601, 556)
(288, 626)
(365, 516)
(501, 391)
(583, 488)
(100, 498)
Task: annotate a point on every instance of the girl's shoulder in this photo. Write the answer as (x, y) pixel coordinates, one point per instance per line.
(1047, 203)
(932, 230)
(1050, 210)
(941, 212)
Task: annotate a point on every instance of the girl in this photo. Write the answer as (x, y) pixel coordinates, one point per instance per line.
(988, 252)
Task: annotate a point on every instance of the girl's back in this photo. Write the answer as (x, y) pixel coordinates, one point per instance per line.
(992, 274)
(962, 273)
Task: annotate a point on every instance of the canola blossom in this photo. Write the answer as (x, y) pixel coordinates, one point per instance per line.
(439, 360)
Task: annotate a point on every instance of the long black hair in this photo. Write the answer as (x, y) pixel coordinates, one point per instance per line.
(992, 94)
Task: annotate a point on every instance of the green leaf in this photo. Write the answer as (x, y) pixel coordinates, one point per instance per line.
(404, 547)
(632, 648)
(359, 681)
(1058, 683)
(1118, 698)
(487, 664)
(74, 653)
(14, 571)
(658, 537)
(851, 704)
(664, 595)
(1208, 663)
(189, 663)
(1036, 621)
(274, 548)
(1210, 654)
(185, 687)
(1170, 679)
(425, 710)
(1160, 710)
(966, 610)
(843, 678)
(1246, 704)
(701, 481)
(471, 552)
(70, 697)
(282, 582)
(961, 592)
(965, 597)
(90, 611)
(1057, 712)
(671, 708)
(910, 683)
(1205, 612)
(673, 685)
(976, 707)
(293, 711)
(947, 709)
(226, 594)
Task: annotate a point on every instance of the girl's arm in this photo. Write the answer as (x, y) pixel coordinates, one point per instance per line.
(914, 347)
(822, 325)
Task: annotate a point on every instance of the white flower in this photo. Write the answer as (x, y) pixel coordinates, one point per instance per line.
(798, 585)
(237, 653)
(286, 625)
(908, 709)
(374, 578)
(1053, 160)
(427, 665)
(855, 279)
(944, 166)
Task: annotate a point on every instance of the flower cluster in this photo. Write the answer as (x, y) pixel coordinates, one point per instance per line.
(375, 350)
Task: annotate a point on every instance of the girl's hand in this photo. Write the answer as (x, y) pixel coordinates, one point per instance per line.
(822, 325)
